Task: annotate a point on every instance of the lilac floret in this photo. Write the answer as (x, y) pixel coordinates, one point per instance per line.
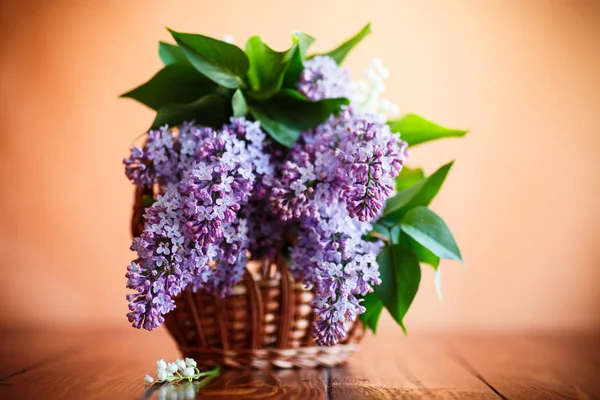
(322, 78)
(194, 234)
(352, 158)
(331, 257)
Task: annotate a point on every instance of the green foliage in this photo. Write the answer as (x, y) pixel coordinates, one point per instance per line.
(430, 231)
(373, 306)
(416, 130)
(340, 52)
(210, 110)
(288, 113)
(267, 67)
(209, 80)
(171, 54)
(420, 194)
(175, 83)
(424, 255)
(238, 104)
(408, 177)
(147, 201)
(221, 62)
(400, 277)
(294, 70)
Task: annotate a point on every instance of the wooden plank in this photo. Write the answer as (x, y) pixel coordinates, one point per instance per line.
(113, 364)
(267, 384)
(25, 350)
(105, 364)
(390, 365)
(535, 366)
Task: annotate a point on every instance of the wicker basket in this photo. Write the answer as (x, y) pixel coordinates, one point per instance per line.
(265, 323)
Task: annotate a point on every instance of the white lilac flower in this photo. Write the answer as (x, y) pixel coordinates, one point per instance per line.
(148, 379)
(188, 372)
(366, 95)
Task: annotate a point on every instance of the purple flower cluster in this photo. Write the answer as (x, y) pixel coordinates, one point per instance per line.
(232, 194)
(335, 181)
(353, 158)
(331, 256)
(322, 78)
(194, 234)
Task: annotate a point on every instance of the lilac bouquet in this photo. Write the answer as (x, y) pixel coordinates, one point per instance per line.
(265, 155)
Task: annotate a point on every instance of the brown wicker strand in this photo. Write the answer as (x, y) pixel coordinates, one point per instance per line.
(256, 312)
(191, 304)
(286, 312)
(221, 317)
(173, 327)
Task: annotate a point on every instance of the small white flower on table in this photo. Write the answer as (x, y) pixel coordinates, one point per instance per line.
(180, 364)
(161, 375)
(172, 368)
(189, 372)
(190, 362)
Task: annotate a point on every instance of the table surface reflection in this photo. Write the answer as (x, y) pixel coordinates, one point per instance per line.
(111, 364)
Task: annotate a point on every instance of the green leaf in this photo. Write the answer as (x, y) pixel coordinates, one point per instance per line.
(175, 83)
(297, 60)
(210, 110)
(279, 131)
(382, 230)
(267, 67)
(221, 62)
(373, 306)
(429, 230)
(423, 254)
(408, 177)
(414, 130)
(420, 194)
(171, 54)
(288, 113)
(304, 42)
(400, 277)
(340, 52)
(147, 201)
(239, 105)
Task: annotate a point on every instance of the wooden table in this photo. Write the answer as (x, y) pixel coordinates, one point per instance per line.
(111, 365)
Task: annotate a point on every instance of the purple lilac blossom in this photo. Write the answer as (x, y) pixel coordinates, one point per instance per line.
(265, 230)
(166, 262)
(353, 157)
(193, 234)
(331, 257)
(322, 78)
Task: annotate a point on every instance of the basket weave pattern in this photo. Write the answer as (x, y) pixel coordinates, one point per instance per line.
(265, 323)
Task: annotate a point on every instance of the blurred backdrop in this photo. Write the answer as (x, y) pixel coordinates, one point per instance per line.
(521, 199)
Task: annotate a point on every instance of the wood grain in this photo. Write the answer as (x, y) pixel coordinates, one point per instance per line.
(111, 365)
(542, 366)
(394, 366)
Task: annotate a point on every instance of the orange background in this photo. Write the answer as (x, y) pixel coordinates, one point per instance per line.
(522, 198)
